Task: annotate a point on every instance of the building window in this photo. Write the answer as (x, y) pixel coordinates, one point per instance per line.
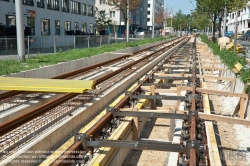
(28, 2)
(10, 20)
(149, 5)
(148, 19)
(102, 2)
(65, 5)
(148, 12)
(31, 23)
(53, 4)
(84, 9)
(90, 11)
(112, 14)
(75, 7)
(57, 27)
(76, 26)
(84, 27)
(40, 3)
(91, 28)
(45, 27)
(67, 25)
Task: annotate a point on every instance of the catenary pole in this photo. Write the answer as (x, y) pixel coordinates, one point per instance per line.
(20, 31)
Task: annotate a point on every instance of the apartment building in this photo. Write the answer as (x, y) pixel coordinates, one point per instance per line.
(153, 6)
(138, 18)
(242, 17)
(52, 17)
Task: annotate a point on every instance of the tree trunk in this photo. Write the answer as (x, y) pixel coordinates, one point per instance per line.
(214, 23)
(220, 20)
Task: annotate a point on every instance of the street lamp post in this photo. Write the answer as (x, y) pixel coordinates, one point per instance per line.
(171, 19)
(236, 30)
(128, 16)
(224, 21)
(19, 30)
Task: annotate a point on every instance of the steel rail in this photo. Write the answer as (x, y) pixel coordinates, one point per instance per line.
(9, 94)
(193, 133)
(97, 128)
(10, 125)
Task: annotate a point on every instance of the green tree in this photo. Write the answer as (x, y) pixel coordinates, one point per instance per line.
(200, 20)
(125, 6)
(215, 9)
(101, 19)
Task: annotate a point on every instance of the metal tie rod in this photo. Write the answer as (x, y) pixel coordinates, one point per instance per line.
(171, 78)
(161, 84)
(182, 98)
(138, 145)
(169, 67)
(177, 72)
(151, 114)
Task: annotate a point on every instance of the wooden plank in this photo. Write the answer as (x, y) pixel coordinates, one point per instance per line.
(172, 90)
(201, 90)
(242, 107)
(153, 101)
(208, 62)
(172, 126)
(178, 94)
(205, 116)
(215, 77)
(135, 128)
(198, 75)
(221, 118)
(182, 75)
(213, 151)
(212, 68)
(217, 92)
(231, 86)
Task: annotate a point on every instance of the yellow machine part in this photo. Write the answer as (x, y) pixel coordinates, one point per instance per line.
(45, 85)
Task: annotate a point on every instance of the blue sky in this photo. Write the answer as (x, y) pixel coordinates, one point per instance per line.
(184, 5)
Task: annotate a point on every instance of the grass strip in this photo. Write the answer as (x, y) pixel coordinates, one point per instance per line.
(230, 59)
(13, 66)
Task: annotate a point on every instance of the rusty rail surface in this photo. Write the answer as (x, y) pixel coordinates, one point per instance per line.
(97, 128)
(9, 126)
(9, 94)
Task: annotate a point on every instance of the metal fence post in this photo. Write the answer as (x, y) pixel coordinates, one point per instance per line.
(74, 41)
(6, 44)
(54, 44)
(100, 41)
(28, 51)
(88, 41)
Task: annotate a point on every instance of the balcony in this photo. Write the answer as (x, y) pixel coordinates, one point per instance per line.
(53, 7)
(28, 2)
(65, 9)
(40, 4)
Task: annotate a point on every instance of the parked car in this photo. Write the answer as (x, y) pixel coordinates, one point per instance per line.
(229, 34)
(10, 30)
(246, 36)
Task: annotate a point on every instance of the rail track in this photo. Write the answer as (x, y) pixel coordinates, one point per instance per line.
(172, 67)
(20, 130)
